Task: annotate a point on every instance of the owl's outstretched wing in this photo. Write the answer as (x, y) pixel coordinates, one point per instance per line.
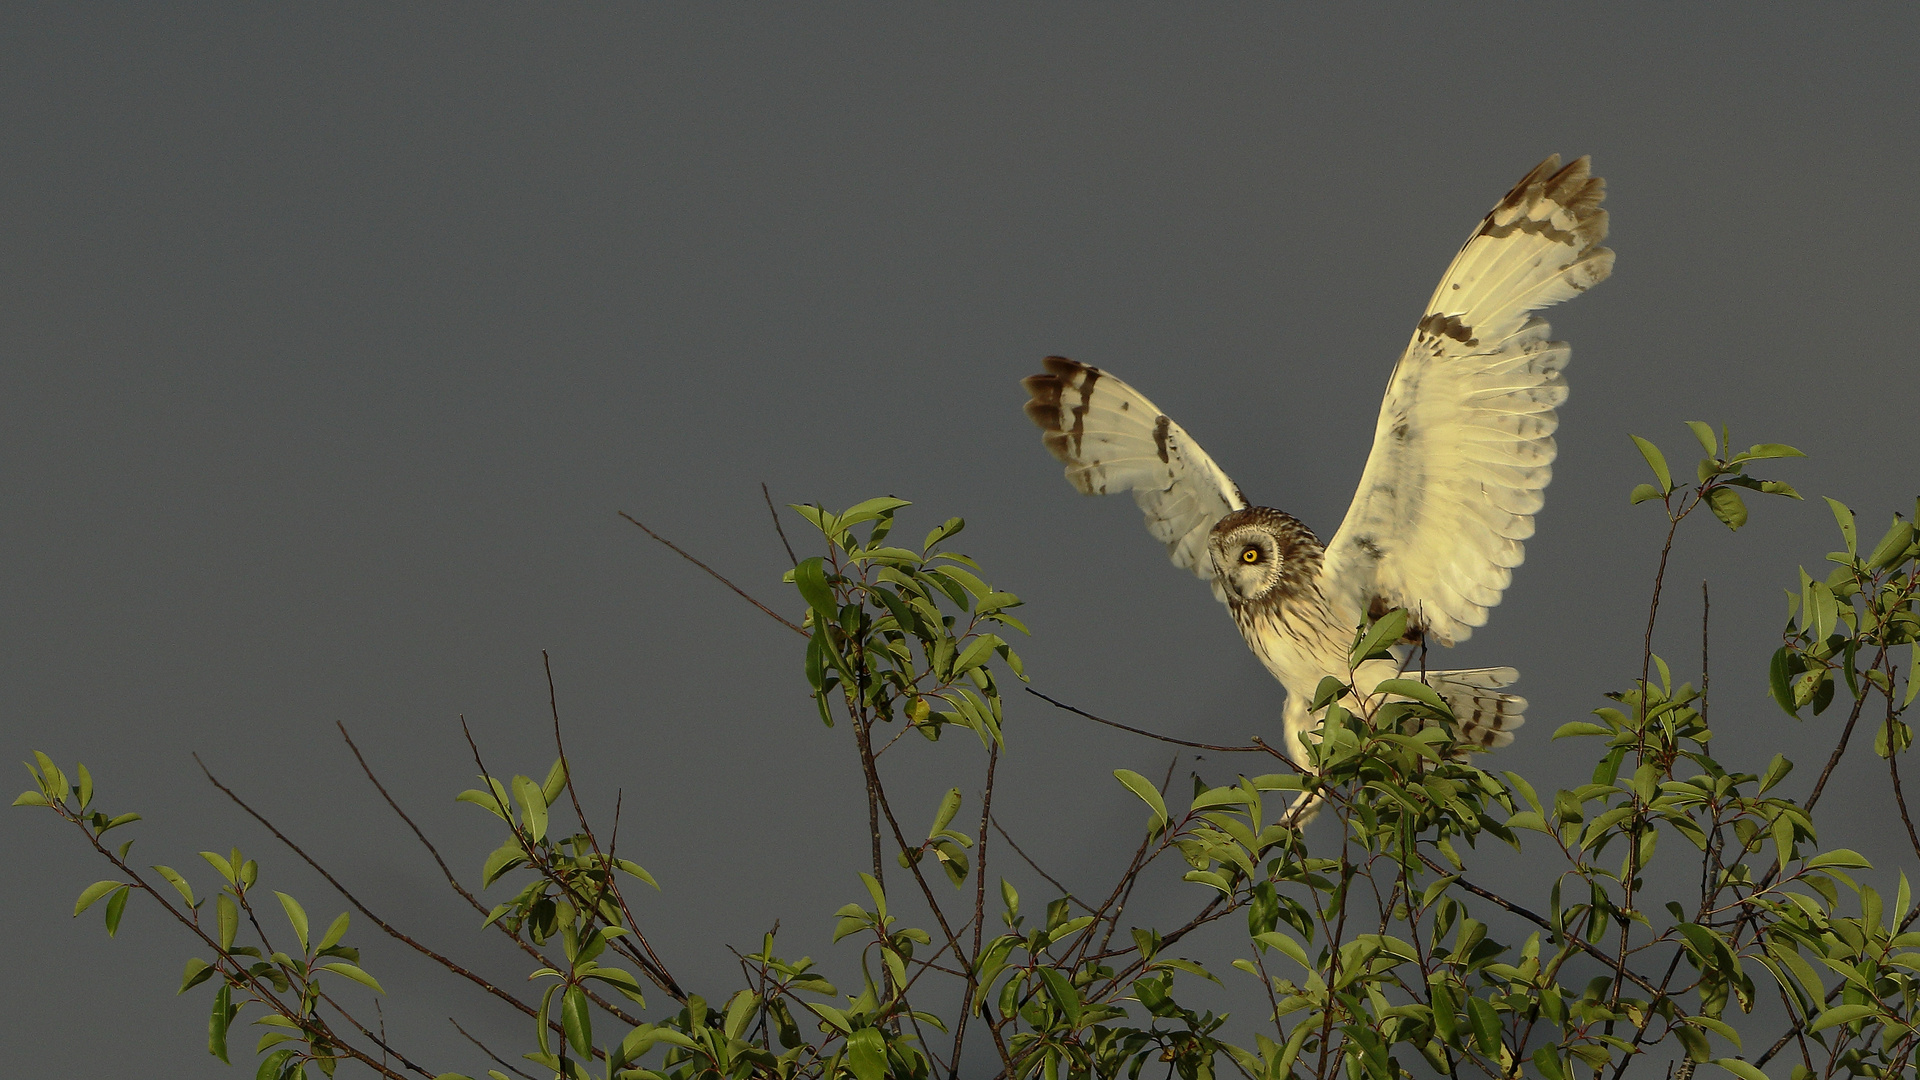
(1464, 445)
(1113, 439)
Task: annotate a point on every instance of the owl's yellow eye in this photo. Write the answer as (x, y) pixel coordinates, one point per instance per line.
(1251, 555)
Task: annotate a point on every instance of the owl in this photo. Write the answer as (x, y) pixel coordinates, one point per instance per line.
(1462, 454)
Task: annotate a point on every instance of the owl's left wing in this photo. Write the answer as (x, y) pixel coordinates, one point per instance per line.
(1113, 439)
(1464, 445)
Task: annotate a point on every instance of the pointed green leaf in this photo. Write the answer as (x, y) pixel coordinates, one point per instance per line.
(1379, 638)
(1148, 793)
(115, 907)
(228, 918)
(810, 577)
(576, 1019)
(334, 933)
(533, 806)
(218, 1021)
(92, 894)
(1655, 461)
(1705, 434)
(556, 782)
(198, 971)
(341, 967)
(1844, 518)
(1842, 1014)
(1418, 691)
(297, 916)
(1727, 505)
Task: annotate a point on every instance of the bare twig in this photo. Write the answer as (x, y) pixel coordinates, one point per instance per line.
(502, 1062)
(1024, 857)
(655, 967)
(781, 619)
(389, 928)
(1137, 731)
(767, 495)
(979, 908)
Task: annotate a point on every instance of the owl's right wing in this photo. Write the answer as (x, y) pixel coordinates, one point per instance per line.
(1464, 445)
(1113, 439)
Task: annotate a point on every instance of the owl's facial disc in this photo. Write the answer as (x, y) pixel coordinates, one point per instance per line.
(1246, 561)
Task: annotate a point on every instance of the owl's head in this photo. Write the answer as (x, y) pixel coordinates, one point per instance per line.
(1262, 554)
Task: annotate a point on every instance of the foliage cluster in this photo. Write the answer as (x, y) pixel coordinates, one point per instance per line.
(1367, 944)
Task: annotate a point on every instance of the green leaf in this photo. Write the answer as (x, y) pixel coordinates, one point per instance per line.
(504, 858)
(179, 883)
(1485, 1021)
(949, 806)
(556, 782)
(1329, 691)
(974, 655)
(92, 894)
(946, 530)
(340, 967)
(1656, 461)
(1892, 548)
(1844, 518)
(1761, 451)
(870, 509)
(218, 1021)
(1148, 793)
(84, 788)
(115, 907)
(228, 918)
(1727, 505)
(1378, 639)
(1777, 771)
(1842, 1014)
(198, 971)
(220, 863)
(1418, 691)
(271, 1065)
(867, 1053)
(1842, 858)
(533, 807)
(740, 1012)
(334, 933)
(1705, 434)
(576, 1020)
(297, 916)
(1780, 683)
(1644, 493)
(1740, 1068)
(1274, 939)
(485, 801)
(30, 798)
(810, 577)
(53, 781)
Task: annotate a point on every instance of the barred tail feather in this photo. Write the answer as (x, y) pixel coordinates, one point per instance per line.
(1487, 717)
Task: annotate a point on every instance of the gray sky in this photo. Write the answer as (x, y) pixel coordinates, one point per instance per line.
(334, 338)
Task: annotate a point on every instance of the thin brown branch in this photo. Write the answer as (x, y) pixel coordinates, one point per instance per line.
(1137, 731)
(979, 909)
(502, 1062)
(716, 575)
(651, 962)
(1024, 857)
(389, 928)
(1839, 749)
(768, 495)
(1578, 940)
